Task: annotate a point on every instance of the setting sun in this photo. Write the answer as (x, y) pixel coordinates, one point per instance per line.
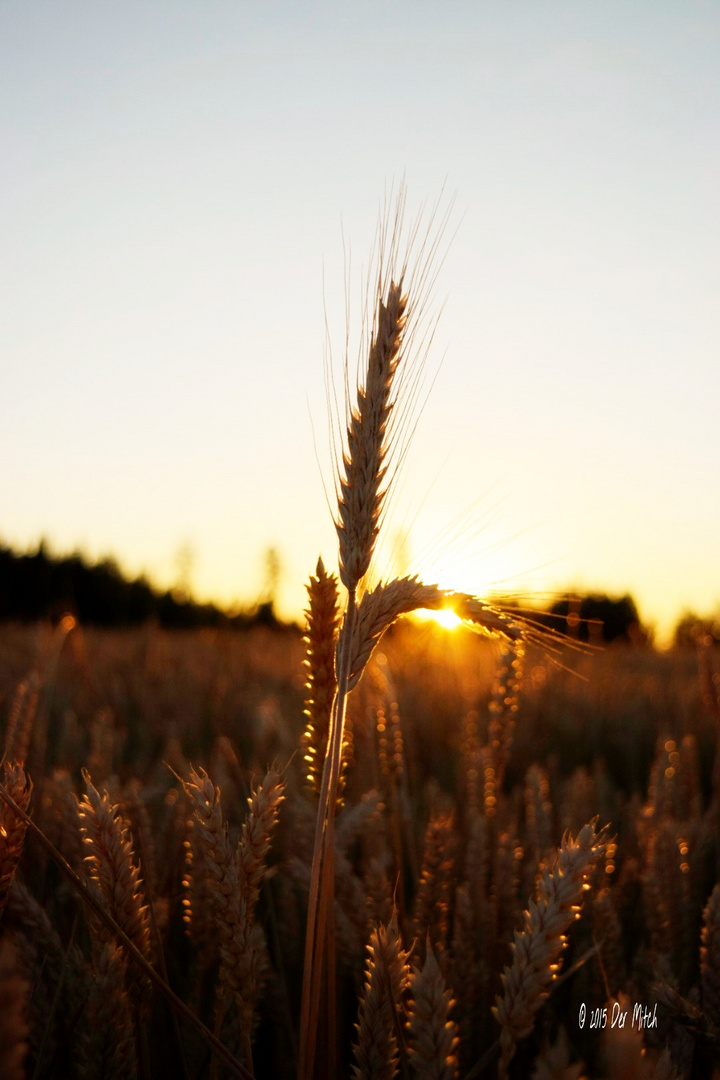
(443, 617)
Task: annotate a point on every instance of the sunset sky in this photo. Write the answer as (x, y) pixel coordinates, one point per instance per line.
(183, 186)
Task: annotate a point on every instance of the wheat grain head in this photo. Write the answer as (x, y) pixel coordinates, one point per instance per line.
(381, 1015)
(537, 947)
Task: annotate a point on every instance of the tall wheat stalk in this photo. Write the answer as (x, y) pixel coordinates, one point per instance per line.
(360, 501)
(372, 443)
(361, 489)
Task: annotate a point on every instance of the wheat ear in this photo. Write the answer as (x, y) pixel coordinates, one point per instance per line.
(42, 948)
(323, 620)
(432, 1035)
(537, 947)
(361, 488)
(607, 929)
(197, 901)
(114, 874)
(134, 809)
(262, 816)
(235, 880)
(432, 901)
(12, 828)
(236, 974)
(381, 1014)
(501, 725)
(20, 720)
(687, 1012)
(110, 863)
(381, 606)
(105, 1043)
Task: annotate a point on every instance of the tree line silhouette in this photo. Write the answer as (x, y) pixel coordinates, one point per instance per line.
(597, 619)
(39, 585)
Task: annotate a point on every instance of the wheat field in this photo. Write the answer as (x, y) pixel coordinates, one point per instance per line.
(435, 863)
(380, 850)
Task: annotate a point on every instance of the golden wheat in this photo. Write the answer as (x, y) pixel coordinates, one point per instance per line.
(432, 1034)
(361, 493)
(537, 947)
(322, 622)
(382, 1013)
(111, 866)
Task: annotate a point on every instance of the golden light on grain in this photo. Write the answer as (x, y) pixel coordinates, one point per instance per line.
(610, 853)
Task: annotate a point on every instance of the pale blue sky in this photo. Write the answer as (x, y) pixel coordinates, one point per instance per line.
(176, 181)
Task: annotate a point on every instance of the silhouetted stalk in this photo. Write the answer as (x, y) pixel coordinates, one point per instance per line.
(322, 877)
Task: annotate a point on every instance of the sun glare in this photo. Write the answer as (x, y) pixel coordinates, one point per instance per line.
(443, 617)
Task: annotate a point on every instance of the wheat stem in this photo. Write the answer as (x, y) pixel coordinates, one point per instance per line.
(322, 873)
